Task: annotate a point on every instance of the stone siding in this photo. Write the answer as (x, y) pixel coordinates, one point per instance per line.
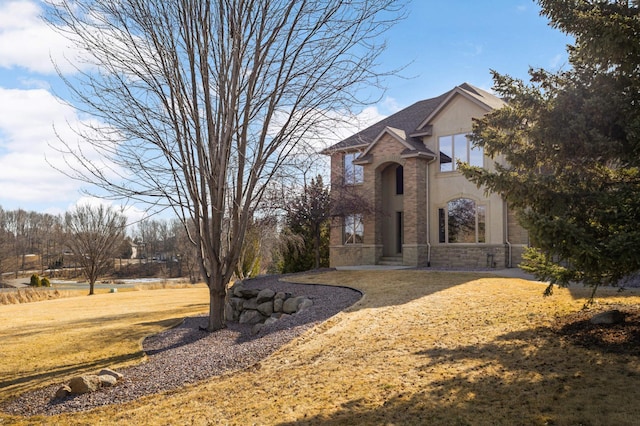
(471, 256)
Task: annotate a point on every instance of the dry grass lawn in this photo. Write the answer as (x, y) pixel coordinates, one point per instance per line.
(419, 348)
(46, 342)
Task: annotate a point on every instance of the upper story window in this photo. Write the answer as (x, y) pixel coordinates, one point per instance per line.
(352, 172)
(454, 148)
(463, 221)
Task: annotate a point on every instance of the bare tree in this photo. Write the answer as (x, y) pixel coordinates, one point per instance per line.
(94, 235)
(201, 103)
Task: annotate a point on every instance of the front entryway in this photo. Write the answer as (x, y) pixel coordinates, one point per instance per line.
(392, 206)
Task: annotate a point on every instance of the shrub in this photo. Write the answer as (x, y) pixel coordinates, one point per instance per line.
(44, 282)
(35, 281)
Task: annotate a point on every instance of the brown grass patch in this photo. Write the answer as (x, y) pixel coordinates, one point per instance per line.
(46, 342)
(28, 295)
(420, 348)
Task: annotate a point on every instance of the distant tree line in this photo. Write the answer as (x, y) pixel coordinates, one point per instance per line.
(289, 233)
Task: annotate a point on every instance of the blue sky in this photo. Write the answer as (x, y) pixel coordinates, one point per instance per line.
(442, 43)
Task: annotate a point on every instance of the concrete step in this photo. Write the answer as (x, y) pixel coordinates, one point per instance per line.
(390, 261)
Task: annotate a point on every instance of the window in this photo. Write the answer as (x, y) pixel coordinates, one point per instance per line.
(463, 221)
(399, 180)
(456, 148)
(353, 229)
(352, 172)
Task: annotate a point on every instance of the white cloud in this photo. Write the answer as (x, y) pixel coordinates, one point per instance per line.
(27, 134)
(26, 41)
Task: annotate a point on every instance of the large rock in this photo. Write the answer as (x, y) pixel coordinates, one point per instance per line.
(237, 289)
(248, 293)
(270, 320)
(277, 305)
(84, 384)
(266, 308)
(236, 303)
(229, 312)
(250, 317)
(250, 304)
(609, 317)
(265, 295)
(290, 305)
(304, 304)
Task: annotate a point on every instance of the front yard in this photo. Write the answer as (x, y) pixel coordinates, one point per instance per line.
(421, 347)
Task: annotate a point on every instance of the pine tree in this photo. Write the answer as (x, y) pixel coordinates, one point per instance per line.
(308, 218)
(570, 142)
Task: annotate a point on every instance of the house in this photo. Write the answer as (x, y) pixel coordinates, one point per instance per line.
(420, 210)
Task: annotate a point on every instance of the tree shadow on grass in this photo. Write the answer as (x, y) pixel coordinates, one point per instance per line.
(19, 384)
(532, 376)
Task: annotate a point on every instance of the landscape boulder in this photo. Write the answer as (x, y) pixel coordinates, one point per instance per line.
(266, 308)
(609, 317)
(250, 317)
(107, 380)
(295, 304)
(304, 304)
(250, 304)
(265, 295)
(84, 384)
(277, 305)
(110, 372)
(259, 306)
(62, 392)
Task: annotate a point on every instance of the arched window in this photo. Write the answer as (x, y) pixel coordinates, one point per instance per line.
(463, 221)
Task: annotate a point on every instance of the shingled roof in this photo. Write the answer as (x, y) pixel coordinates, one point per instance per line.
(411, 120)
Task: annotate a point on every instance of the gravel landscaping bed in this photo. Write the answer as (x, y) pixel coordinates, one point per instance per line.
(186, 354)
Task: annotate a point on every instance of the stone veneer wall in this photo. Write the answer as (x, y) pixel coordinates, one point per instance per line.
(468, 256)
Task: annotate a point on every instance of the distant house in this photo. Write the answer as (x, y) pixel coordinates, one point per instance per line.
(422, 211)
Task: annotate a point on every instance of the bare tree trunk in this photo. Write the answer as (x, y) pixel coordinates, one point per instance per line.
(217, 296)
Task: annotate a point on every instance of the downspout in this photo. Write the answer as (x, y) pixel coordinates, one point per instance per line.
(428, 220)
(506, 235)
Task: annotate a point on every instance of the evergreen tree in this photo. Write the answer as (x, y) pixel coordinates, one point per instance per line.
(570, 142)
(308, 217)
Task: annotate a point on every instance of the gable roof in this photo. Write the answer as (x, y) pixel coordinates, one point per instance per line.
(410, 124)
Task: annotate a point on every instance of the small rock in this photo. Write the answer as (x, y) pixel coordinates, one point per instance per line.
(609, 317)
(107, 380)
(280, 295)
(62, 392)
(110, 372)
(84, 384)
